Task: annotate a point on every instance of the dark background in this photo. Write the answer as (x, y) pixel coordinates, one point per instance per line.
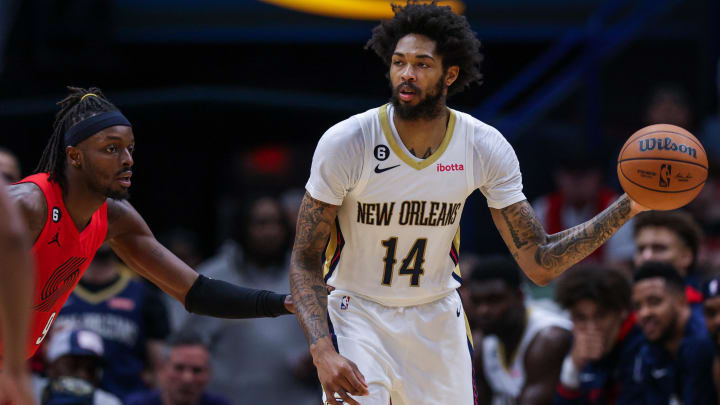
(228, 98)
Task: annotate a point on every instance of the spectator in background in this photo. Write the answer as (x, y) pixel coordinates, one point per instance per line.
(130, 317)
(253, 360)
(669, 104)
(598, 370)
(75, 364)
(671, 237)
(522, 349)
(581, 193)
(183, 376)
(711, 310)
(675, 364)
(184, 244)
(9, 166)
(291, 201)
(710, 132)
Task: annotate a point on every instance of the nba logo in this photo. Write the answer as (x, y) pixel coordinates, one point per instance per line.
(345, 302)
(665, 172)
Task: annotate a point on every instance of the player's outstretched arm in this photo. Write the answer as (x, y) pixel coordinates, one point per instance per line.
(336, 373)
(132, 240)
(16, 273)
(544, 257)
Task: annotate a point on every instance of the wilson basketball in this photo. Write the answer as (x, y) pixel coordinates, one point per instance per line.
(662, 167)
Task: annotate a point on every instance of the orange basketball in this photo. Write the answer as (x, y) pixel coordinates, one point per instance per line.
(662, 167)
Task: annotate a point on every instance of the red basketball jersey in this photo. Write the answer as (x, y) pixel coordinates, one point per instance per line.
(61, 256)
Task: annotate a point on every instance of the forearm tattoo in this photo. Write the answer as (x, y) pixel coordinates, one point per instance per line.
(559, 251)
(307, 286)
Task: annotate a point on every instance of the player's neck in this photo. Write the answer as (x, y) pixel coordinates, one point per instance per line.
(80, 201)
(512, 335)
(511, 338)
(422, 137)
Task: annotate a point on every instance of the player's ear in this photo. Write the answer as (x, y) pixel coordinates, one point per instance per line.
(451, 75)
(74, 157)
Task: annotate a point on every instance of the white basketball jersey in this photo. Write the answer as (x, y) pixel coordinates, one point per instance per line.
(396, 237)
(508, 380)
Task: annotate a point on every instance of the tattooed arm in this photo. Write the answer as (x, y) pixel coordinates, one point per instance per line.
(336, 373)
(544, 257)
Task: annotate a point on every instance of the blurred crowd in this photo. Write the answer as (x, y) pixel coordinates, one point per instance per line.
(637, 322)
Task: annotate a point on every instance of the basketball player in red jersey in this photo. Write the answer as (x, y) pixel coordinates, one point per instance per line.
(15, 292)
(76, 201)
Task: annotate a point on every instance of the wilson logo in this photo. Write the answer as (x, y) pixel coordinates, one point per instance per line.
(665, 144)
(449, 168)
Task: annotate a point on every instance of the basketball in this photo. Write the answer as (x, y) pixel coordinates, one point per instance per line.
(662, 167)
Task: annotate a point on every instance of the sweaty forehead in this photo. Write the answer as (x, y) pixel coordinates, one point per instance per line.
(416, 44)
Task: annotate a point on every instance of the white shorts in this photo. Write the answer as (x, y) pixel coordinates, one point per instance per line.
(416, 355)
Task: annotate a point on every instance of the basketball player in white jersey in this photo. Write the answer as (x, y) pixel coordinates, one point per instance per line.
(521, 353)
(386, 189)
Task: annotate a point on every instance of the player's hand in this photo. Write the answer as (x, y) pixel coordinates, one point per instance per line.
(587, 346)
(15, 388)
(337, 374)
(636, 207)
(289, 304)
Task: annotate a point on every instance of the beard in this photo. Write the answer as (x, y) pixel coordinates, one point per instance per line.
(117, 194)
(429, 107)
(96, 185)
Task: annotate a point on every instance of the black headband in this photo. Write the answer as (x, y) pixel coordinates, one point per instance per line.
(89, 127)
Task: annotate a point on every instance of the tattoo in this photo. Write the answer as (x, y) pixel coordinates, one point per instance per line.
(308, 289)
(523, 224)
(427, 154)
(559, 251)
(568, 247)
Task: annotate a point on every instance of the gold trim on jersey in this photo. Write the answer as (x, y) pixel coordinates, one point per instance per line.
(456, 244)
(468, 331)
(385, 122)
(104, 294)
(330, 249)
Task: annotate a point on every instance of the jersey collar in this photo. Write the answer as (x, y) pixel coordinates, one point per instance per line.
(418, 165)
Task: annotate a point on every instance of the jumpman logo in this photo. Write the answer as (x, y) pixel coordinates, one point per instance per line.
(55, 239)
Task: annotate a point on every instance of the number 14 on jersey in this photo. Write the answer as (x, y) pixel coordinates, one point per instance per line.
(411, 264)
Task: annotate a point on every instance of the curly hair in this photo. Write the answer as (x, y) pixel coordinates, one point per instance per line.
(679, 222)
(606, 286)
(455, 40)
(73, 109)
